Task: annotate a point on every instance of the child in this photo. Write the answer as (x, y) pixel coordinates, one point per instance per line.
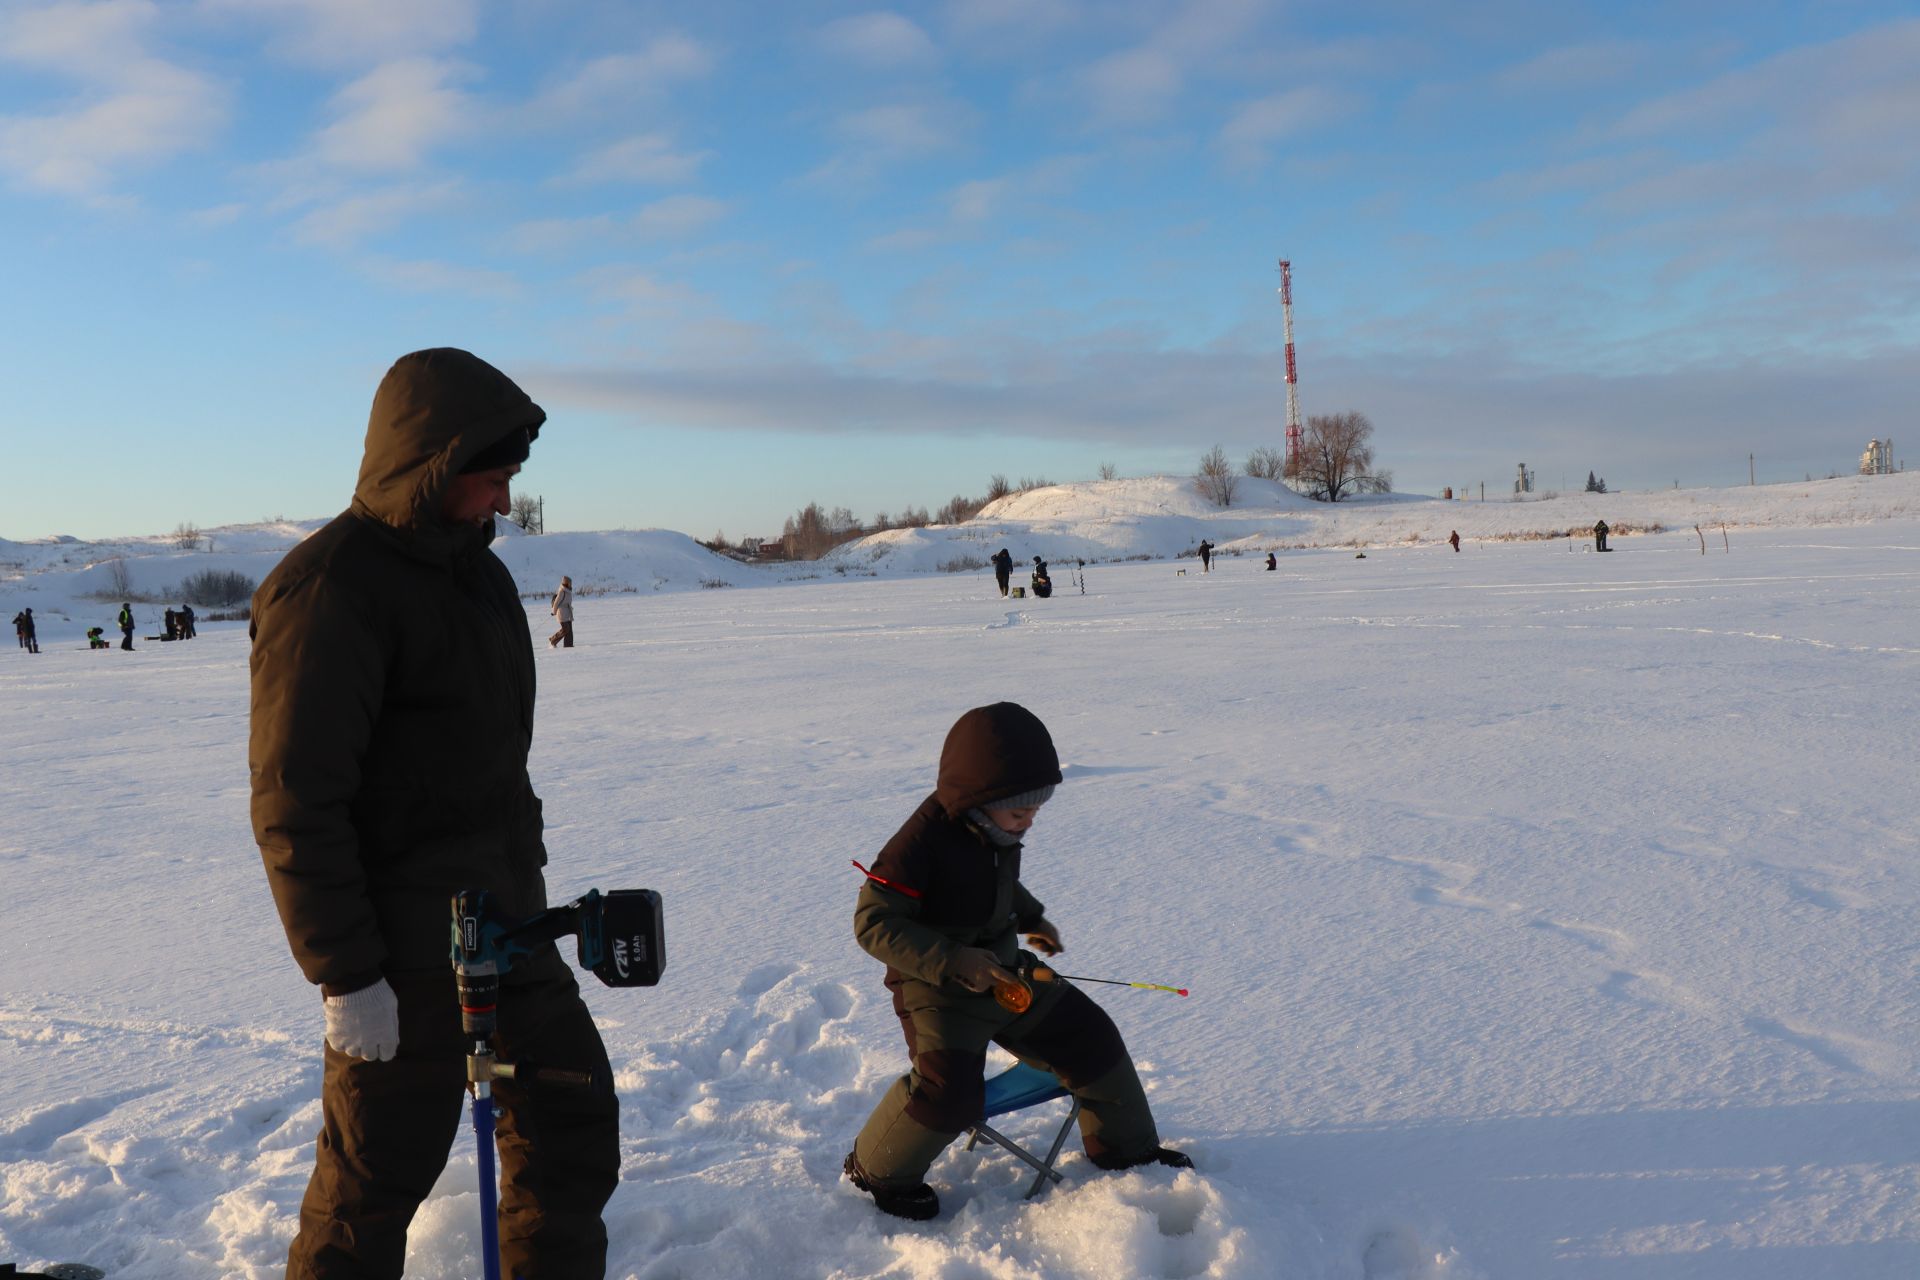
(941, 907)
(96, 640)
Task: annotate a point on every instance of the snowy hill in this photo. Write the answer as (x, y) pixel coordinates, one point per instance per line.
(1162, 517)
(70, 583)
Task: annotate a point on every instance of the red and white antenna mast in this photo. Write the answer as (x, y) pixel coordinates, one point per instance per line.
(1294, 434)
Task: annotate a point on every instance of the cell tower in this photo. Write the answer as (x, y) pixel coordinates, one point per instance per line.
(1293, 376)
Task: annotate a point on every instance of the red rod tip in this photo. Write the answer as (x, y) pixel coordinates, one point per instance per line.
(1183, 991)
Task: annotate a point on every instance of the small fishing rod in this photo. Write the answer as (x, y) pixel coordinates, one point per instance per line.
(1045, 974)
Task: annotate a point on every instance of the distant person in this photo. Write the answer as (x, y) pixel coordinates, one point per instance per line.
(96, 638)
(1042, 584)
(562, 609)
(392, 715)
(23, 627)
(188, 630)
(173, 625)
(1453, 540)
(20, 628)
(1002, 569)
(1272, 564)
(1206, 556)
(126, 625)
(1600, 536)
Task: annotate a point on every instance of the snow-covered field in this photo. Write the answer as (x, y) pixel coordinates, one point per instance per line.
(1545, 913)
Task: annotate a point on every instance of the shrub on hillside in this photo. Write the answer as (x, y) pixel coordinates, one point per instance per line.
(217, 587)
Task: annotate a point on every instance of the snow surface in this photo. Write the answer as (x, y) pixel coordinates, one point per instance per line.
(1546, 914)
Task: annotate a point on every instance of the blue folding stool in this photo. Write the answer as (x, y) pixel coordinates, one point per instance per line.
(1015, 1089)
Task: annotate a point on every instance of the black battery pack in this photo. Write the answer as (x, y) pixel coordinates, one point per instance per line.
(623, 937)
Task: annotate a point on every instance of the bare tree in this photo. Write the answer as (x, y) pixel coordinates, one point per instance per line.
(806, 534)
(1267, 464)
(186, 535)
(1108, 471)
(1336, 458)
(719, 541)
(525, 512)
(998, 487)
(1031, 482)
(1216, 478)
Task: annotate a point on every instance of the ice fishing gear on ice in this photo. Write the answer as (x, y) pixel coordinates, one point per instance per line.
(622, 940)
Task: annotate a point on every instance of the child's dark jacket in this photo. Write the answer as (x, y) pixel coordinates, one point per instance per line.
(941, 884)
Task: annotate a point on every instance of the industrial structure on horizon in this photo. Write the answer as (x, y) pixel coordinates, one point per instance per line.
(1878, 459)
(1294, 434)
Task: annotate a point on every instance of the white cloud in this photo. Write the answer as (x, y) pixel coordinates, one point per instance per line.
(1141, 84)
(1009, 23)
(877, 137)
(1131, 87)
(1570, 67)
(391, 117)
(897, 129)
(644, 158)
(135, 110)
(880, 40)
(1257, 125)
(348, 220)
(350, 32)
(616, 81)
(678, 216)
(432, 276)
(552, 235)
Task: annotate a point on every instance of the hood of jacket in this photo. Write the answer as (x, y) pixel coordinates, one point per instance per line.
(992, 752)
(434, 410)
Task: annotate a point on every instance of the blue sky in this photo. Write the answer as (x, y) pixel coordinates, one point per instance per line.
(753, 255)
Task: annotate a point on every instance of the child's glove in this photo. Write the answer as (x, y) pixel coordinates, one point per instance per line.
(1044, 937)
(978, 969)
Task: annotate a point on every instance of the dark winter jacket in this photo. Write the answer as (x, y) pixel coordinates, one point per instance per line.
(940, 884)
(1002, 563)
(393, 696)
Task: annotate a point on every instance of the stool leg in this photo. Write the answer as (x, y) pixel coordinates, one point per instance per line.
(1053, 1153)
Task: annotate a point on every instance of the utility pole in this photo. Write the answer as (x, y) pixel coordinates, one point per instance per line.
(1749, 469)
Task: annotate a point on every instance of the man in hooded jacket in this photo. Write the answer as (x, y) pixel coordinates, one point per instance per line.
(943, 907)
(393, 695)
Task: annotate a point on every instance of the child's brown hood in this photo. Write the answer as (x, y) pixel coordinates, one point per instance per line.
(992, 752)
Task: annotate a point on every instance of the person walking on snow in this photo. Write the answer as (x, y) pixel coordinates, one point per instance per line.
(393, 699)
(942, 908)
(187, 630)
(1206, 556)
(562, 609)
(1600, 535)
(1002, 569)
(24, 629)
(1453, 540)
(126, 625)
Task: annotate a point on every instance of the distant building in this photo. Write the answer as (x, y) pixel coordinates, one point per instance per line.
(1878, 459)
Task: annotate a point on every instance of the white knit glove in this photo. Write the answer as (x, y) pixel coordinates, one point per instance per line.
(365, 1023)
